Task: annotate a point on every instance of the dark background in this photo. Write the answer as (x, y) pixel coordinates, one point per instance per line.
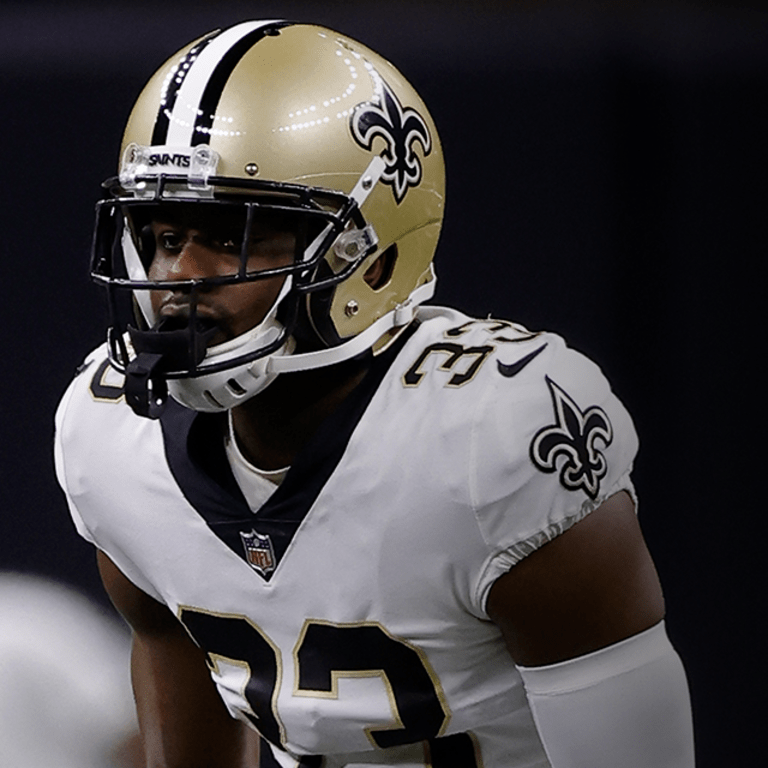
(605, 163)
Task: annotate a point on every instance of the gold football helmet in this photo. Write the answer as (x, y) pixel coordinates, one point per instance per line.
(272, 118)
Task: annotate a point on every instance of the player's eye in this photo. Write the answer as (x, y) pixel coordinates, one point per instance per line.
(170, 240)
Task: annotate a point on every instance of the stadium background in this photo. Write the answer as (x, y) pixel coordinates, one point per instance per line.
(604, 167)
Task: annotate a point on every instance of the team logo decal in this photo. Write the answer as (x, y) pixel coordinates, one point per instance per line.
(574, 438)
(401, 129)
(259, 552)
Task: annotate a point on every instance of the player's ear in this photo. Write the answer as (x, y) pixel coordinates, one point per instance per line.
(378, 274)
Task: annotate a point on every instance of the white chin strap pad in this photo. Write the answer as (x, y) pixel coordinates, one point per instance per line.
(624, 706)
(228, 388)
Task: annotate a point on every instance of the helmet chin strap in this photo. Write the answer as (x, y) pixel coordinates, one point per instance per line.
(157, 351)
(400, 316)
(165, 348)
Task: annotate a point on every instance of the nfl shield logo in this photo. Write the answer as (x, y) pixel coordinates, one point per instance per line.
(259, 552)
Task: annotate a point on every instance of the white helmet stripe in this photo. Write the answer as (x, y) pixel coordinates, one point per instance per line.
(191, 114)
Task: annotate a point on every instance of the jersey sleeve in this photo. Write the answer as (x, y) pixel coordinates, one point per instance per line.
(550, 443)
(79, 454)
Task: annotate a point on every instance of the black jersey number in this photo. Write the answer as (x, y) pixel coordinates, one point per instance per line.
(236, 639)
(328, 651)
(324, 653)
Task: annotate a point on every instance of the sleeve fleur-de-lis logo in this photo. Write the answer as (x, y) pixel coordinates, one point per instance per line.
(401, 129)
(573, 439)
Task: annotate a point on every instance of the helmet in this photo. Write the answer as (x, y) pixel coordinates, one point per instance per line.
(265, 119)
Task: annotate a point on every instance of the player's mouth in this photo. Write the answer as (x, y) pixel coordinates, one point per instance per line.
(205, 324)
(174, 314)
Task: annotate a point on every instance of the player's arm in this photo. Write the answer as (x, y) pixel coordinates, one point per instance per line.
(182, 719)
(583, 620)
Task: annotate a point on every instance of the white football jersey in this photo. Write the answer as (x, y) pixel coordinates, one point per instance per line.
(345, 617)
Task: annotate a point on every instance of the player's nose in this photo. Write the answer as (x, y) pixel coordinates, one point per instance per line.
(194, 260)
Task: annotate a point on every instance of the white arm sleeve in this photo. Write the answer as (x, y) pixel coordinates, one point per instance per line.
(624, 706)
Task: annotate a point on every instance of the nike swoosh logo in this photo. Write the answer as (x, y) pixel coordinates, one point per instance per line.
(514, 368)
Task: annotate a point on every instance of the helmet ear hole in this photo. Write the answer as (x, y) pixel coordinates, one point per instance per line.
(380, 272)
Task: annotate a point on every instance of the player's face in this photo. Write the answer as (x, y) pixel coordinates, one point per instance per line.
(189, 245)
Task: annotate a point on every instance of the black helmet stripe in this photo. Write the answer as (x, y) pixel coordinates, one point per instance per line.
(194, 88)
(168, 100)
(217, 81)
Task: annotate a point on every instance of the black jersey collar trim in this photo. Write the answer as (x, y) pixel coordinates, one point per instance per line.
(194, 448)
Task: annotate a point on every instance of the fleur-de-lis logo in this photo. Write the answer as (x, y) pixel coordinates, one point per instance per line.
(573, 438)
(401, 129)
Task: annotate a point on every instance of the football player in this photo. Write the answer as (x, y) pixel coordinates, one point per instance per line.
(374, 532)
